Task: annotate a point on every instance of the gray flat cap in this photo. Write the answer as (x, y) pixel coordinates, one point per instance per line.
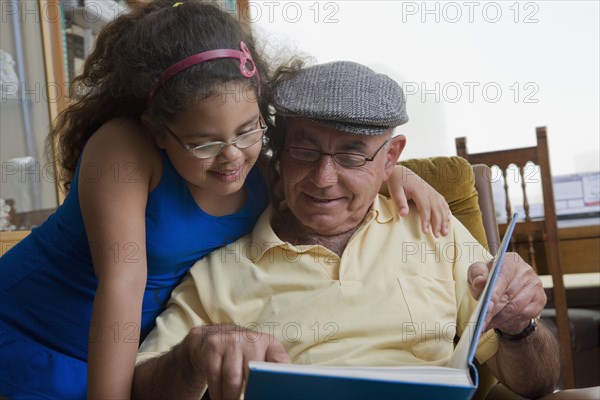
(343, 95)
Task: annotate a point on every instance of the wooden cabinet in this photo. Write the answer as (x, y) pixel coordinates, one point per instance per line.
(579, 243)
(580, 249)
(9, 238)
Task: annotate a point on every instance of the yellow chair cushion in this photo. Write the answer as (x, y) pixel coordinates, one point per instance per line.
(453, 178)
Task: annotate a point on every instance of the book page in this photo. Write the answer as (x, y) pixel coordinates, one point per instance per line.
(467, 345)
(416, 373)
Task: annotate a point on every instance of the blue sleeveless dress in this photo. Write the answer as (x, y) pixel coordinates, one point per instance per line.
(47, 282)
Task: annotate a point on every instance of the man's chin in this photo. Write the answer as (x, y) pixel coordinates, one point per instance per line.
(323, 225)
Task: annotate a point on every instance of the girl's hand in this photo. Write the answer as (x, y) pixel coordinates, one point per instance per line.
(404, 185)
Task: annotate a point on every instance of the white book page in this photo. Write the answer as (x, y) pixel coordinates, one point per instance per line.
(417, 373)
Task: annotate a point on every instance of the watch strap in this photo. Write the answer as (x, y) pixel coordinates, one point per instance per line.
(521, 335)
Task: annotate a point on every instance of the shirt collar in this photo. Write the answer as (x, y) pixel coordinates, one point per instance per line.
(264, 237)
(384, 209)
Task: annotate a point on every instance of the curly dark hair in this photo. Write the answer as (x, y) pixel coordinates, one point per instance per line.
(276, 132)
(129, 56)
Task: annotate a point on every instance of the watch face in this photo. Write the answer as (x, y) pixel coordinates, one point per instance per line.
(533, 322)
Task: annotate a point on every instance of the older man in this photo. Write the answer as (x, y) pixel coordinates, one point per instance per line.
(325, 277)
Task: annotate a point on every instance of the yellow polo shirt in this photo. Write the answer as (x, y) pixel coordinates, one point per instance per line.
(395, 297)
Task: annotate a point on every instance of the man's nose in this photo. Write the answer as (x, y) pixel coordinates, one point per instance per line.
(326, 172)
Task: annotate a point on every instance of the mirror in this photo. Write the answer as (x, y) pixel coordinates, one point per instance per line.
(27, 189)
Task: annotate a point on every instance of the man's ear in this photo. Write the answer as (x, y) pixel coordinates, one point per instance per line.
(394, 150)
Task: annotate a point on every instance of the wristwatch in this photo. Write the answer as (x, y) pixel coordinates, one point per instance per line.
(521, 335)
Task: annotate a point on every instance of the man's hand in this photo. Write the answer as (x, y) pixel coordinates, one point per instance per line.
(528, 366)
(518, 295)
(222, 354)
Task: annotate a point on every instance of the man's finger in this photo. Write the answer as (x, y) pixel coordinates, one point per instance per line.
(477, 277)
(212, 368)
(232, 374)
(276, 353)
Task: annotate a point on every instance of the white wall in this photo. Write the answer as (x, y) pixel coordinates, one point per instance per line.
(452, 69)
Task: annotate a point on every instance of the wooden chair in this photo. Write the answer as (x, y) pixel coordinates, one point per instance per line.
(531, 226)
(483, 185)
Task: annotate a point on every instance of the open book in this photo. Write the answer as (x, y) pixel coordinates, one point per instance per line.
(458, 380)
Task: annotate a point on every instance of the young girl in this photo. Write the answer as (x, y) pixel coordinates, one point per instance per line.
(158, 160)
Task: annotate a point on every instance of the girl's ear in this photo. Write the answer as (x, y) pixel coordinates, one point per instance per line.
(160, 142)
(395, 149)
(159, 139)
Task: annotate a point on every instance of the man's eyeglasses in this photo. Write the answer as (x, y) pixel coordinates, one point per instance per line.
(348, 160)
(213, 149)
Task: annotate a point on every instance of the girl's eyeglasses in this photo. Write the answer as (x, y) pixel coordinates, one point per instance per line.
(213, 149)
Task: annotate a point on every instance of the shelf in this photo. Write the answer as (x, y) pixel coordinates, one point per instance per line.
(94, 15)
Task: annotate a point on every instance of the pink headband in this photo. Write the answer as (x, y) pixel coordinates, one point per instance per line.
(244, 56)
